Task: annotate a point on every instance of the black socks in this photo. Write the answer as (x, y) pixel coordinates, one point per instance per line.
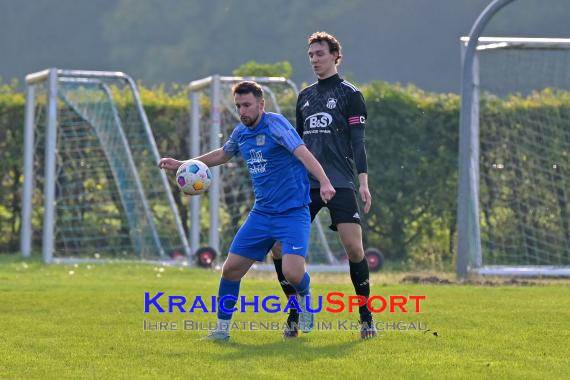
(288, 289)
(360, 276)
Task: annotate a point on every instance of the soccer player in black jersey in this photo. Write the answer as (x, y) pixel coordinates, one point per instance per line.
(331, 116)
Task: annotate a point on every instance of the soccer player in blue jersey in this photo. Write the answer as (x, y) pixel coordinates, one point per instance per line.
(278, 162)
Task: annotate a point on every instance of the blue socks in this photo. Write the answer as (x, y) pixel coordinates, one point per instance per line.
(231, 288)
(227, 288)
(303, 288)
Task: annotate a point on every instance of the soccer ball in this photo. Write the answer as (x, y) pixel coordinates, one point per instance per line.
(193, 177)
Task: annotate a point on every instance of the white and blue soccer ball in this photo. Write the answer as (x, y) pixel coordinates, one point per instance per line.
(193, 177)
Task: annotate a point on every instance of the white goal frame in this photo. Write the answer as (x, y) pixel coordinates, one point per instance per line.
(53, 76)
(470, 258)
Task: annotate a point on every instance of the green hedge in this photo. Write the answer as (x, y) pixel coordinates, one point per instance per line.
(412, 148)
(412, 139)
(11, 151)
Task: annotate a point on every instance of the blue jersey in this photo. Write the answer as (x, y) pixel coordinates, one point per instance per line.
(280, 181)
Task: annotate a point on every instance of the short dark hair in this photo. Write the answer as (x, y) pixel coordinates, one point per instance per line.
(248, 87)
(331, 41)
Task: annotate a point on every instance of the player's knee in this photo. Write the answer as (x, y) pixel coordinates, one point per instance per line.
(293, 275)
(355, 252)
(230, 271)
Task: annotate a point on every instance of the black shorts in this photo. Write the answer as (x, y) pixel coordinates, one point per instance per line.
(343, 207)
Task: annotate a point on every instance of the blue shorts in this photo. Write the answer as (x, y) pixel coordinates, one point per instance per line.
(260, 231)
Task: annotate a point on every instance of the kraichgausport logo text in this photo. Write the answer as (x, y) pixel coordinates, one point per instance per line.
(334, 302)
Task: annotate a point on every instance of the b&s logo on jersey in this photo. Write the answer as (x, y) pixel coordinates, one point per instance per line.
(319, 120)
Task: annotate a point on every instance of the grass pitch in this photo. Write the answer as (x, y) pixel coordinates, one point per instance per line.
(86, 321)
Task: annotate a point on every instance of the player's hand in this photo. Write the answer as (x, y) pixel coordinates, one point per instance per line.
(327, 192)
(366, 198)
(169, 163)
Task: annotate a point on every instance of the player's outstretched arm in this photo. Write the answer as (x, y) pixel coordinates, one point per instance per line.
(313, 166)
(213, 158)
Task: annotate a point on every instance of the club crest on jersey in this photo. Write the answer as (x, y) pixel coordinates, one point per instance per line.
(260, 140)
(331, 103)
(256, 163)
(319, 120)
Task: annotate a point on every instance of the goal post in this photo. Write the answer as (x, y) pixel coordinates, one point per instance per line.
(88, 140)
(514, 163)
(230, 197)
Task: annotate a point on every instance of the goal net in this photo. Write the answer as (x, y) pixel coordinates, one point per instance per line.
(93, 189)
(230, 197)
(524, 156)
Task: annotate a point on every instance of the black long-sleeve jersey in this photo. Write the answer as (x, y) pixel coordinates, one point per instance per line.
(331, 115)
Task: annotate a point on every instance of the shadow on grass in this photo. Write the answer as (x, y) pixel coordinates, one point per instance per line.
(286, 349)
